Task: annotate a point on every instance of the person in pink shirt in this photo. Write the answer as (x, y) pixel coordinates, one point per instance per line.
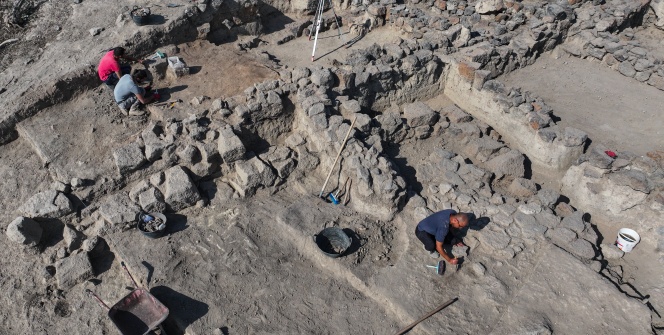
(110, 70)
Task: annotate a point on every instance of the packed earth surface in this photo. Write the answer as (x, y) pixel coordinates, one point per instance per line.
(541, 120)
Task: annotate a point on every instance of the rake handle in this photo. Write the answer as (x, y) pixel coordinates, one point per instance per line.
(129, 274)
(102, 303)
(336, 159)
(410, 326)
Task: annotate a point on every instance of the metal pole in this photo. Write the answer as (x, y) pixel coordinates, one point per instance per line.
(336, 19)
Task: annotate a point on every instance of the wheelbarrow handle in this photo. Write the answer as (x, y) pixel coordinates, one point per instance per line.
(129, 274)
(101, 303)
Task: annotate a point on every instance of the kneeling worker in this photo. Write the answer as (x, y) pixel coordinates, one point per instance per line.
(129, 96)
(435, 230)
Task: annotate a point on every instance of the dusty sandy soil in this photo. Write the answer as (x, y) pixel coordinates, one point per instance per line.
(614, 110)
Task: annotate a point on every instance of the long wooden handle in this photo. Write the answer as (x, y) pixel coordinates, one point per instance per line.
(336, 159)
(410, 326)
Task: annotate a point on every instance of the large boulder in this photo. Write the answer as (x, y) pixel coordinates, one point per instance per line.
(419, 114)
(49, 204)
(24, 231)
(252, 174)
(511, 163)
(180, 191)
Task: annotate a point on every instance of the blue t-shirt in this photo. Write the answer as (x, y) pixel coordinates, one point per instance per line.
(437, 224)
(125, 88)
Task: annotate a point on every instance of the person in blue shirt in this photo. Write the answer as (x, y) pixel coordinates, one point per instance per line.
(434, 231)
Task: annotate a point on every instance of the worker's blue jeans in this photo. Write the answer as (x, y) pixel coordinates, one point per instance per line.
(429, 240)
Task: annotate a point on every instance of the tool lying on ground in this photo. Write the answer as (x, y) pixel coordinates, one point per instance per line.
(410, 326)
(138, 313)
(158, 54)
(334, 197)
(440, 268)
(320, 195)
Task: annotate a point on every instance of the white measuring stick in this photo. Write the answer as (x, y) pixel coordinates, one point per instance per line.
(315, 39)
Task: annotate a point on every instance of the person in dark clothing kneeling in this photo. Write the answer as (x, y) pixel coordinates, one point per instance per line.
(435, 230)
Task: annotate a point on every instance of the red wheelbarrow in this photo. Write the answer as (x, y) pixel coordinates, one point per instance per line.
(138, 313)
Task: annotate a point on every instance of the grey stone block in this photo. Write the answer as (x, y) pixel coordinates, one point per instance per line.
(152, 201)
(523, 188)
(253, 173)
(626, 69)
(230, 146)
(180, 191)
(72, 237)
(24, 231)
(511, 163)
(560, 235)
(128, 158)
(419, 114)
(548, 197)
(574, 222)
(49, 204)
(573, 137)
(581, 248)
(118, 209)
(322, 77)
(73, 270)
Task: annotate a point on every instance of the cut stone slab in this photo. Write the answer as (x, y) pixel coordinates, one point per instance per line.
(49, 204)
(24, 231)
(73, 270)
(118, 209)
(129, 158)
(180, 191)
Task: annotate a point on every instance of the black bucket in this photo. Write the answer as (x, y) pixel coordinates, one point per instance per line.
(151, 234)
(332, 241)
(140, 16)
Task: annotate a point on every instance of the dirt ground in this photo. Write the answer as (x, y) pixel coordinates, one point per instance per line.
(217, 72)
(616, 111)
(330, 46)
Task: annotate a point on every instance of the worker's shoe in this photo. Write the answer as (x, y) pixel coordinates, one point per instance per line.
(137, 109)
(137, 112)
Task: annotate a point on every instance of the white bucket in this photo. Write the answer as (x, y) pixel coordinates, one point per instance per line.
(627, 239)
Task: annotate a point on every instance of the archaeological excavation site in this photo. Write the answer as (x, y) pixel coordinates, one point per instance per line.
(281, 172)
